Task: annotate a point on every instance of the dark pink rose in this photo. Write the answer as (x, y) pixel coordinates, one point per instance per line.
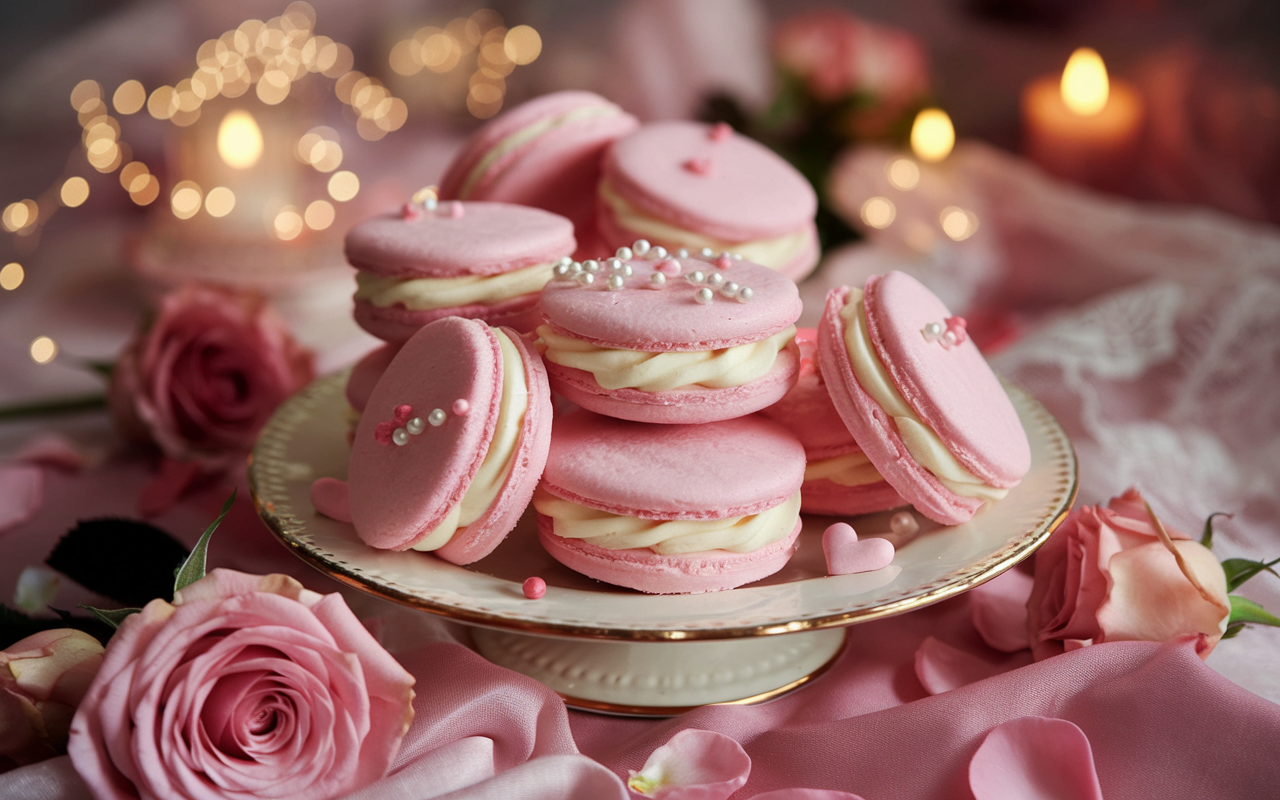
(245, 687)
(1106, 575)
(836, 55)
(42, 679)
(203, 378)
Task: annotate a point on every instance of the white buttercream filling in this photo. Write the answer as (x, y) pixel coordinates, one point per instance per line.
(426, 294)
(922, 442)
(850, 469)
(660, 372)
(500, 457)
(744, 534)
(525, 135)
(775, 253)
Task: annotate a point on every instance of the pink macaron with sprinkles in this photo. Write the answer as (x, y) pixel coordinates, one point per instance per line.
(431, 259)
(691, 185)
(649, 337)
(839, 479)
(919, 398)
(545, 153)
(451, 443)
(671, 509)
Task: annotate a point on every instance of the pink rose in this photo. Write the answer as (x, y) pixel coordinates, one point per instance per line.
(246, 687)
(202, 379)
(837, 55)
(42, 679)
(1107, 575)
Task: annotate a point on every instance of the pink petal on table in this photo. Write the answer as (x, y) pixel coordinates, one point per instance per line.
(693, 765)
(21, 494)
(941, 667)
(168, 487)
(52, 450)
(1034, 758)
(999, 609)
(807, 794)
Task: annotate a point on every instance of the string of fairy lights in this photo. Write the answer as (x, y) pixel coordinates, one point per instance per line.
(272, 58)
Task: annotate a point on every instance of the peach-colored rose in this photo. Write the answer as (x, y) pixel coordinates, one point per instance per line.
(1107, 575)
(202, 379)
(836, 55)
(42, 679)
(245, 687)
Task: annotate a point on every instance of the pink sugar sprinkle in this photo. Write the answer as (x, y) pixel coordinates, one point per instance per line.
(669, 267)
(410, 211)
(724, 261)
(534, 588)
(461, 407)
(720, 131)
(698, 166)
(456, 211)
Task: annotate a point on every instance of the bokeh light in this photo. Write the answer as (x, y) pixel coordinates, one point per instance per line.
(903, 174)
(343, 185)
(11, 276)
(878, 212)
(74, 192)
(932, 135)
(220, 201)
(185, 199)
(129, 97)
(44, 350)
(319, 215)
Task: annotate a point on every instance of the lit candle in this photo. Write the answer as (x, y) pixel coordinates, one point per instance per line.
(1083, 126)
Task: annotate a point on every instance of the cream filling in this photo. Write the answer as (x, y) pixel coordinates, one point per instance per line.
(921, 441)
(774, 253)
(661, 372)
(668, 537)
(525, 135)
(426, 294)
(498, 461)
(850, 469)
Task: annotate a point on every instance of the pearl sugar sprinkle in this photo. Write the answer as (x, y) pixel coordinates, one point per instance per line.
(903, 523)
(730, 289)
(436, 417)
(400, 436)
(415, 426)
(625, 253)
(640, 246)
(696, 277)
(704, 295)
(615, 283)
(745, 294)
(658, 253)
(933, 331)
(657, 280)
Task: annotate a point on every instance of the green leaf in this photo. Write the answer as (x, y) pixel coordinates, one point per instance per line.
(1240, 570)
(1244, 610)
(55, 405)
(111, 616)
(1233, 630)
(192, 569)
(1206, 538)
(101, 368)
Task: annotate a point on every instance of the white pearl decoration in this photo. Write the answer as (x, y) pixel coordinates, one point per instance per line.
(707, 252)
(615, 283)
(585, 278)
(933, 331)
(658, 253)
(657, 280)
(903, 523)
(436, 417)
(625, 253)
(563, 272)
(591, 265)
(400, 436)
(683, 252)
(640, 246)
(704, 295)
(745, 294)
(714, 280)
(429, 202)
(730, 289)
(697, 276)
(415, 426)
(566, 260)
(736, 256)
(949, 339)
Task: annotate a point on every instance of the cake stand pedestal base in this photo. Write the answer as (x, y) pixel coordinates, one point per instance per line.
(662, 679)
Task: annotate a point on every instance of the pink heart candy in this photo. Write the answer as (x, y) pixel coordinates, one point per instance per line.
(698, 166)
(329, 497)
(846, 555)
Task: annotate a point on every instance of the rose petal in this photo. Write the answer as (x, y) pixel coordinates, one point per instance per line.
(693, 765)
(1034, 758)
(999, 609)
(807, 794)
(21, 494)
(168, 486)
(52, 450)
(941, 667)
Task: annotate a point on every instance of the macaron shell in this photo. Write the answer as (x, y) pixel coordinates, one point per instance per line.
(952, 390)
(826, 497)
(479, 539)
(647, 571)
(366, 372)
(487, 239)
(746, 191)
(807, 410)
(398, 494)
(875, 432)
(397, 323)
(639, 317)
(706, 471)
(678, 406)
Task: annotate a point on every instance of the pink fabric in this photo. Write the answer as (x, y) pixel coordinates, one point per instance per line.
(21, 494)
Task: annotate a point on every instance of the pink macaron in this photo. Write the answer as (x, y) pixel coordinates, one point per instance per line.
(919, 398)
(671, 509)
(485, 261)
(451, 443)
(545, 153)
(672, 340)
(839, 479)
(694, 186)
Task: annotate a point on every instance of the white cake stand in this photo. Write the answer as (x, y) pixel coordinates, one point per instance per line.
(618, 651)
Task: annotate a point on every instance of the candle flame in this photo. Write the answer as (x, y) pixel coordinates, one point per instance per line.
(239, 140)
(1084, 82)
(932, 135)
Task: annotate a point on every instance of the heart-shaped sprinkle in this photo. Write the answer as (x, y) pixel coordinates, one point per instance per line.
(720, 131)
(847, 555)
(698, 166)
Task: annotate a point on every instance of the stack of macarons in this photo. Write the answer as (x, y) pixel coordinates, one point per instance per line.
(695, 423)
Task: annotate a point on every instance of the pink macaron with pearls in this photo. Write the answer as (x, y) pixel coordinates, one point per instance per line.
(654, 337)
(479, 260)
(691, 185)
(919, 397)
(671, 509)
(839, 479)
(451, 443)
(545, 153)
